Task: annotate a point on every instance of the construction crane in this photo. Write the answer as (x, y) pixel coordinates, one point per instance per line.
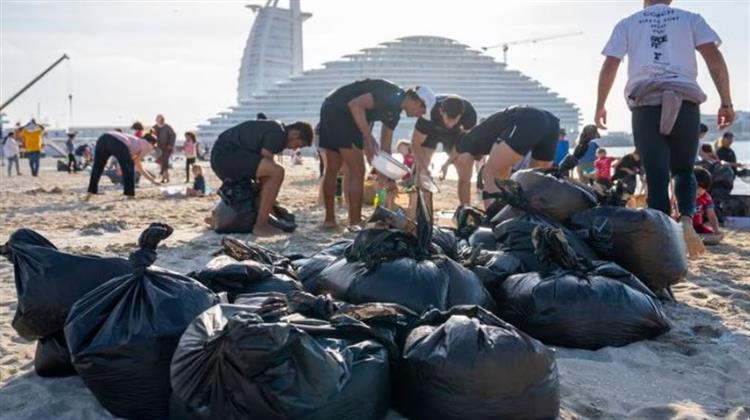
(506, 45)
(33, 81)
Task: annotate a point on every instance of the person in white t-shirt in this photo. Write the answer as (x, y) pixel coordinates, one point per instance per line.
(664, 97)
(11, 151)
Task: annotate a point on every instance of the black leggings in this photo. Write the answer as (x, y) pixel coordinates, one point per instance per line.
(188, 163)
(673, 155)
(107, 146)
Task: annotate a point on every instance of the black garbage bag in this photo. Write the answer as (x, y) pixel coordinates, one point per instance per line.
(515, 237)
(555, 197)
(467, 220)
(584, 304)
(587, 310)
(52, 358)
(483, 238)
(225, 274)
(232, 364)
(49, 281)
(122, 334)
(309, 268)
(446, 242)
(243, 251)
(468, 364)
(646, 242)
(493, 267)
(238, 208)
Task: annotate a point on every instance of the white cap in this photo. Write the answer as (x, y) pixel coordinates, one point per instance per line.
(428, 97)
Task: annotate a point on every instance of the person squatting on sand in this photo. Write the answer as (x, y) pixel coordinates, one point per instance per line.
(506, 137)
(129, 151)
(344, 132)
(245, 153)
(664, 97)
(449, 118)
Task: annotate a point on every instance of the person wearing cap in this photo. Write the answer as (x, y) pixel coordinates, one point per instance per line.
(448, 119)
(344, 133)
(664, 97)
(506, 137)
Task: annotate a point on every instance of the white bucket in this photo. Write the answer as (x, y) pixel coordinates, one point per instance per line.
(388, 166)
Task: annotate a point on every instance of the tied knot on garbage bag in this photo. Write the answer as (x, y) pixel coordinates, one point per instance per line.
(551, 247)
(147, 242)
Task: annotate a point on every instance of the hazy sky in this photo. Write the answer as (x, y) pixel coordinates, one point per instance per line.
(134, 59)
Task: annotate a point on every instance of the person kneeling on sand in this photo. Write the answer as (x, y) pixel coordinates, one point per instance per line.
(705, 221)
(199, 183)
(129, 151)
(507, 136)
(245, 153)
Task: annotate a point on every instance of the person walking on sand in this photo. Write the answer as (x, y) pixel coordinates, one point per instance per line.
(165, 141)
(32, 134)
(129, 151)
(664, 97)
(190, 148)
(344, 131)
(245, 153)
(11, 152)
(506, 137)
(449, 118)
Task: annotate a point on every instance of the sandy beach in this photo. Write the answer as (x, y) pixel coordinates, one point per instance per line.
(700, 369)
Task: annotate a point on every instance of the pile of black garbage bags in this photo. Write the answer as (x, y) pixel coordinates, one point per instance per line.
(429, 321)
(238, 208)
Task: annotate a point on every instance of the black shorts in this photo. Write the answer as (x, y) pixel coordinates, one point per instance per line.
(235, 165)
(337, 130)
(532, 130)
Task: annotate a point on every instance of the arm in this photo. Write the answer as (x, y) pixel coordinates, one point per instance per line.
(606, 79)
(139, 167)
(417, 139)
(713, 221)
(386, 136)
(719, 73)
(358, 108)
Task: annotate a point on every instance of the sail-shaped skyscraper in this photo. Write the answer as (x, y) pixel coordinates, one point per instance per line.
(272, 81)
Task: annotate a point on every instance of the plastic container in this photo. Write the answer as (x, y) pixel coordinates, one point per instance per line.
(388, 166)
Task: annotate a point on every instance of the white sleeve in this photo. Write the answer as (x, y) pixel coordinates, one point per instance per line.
(702, 33)
(617, 46)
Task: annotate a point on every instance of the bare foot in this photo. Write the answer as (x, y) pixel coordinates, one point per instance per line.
(86, 198)
(265, 230)
(694, 244)
(329, 225)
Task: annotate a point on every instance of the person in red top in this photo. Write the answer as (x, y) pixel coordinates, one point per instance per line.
(704, 219)
(404, 148)
(603, 166)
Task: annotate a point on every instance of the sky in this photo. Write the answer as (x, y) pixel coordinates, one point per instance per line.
(131, 60)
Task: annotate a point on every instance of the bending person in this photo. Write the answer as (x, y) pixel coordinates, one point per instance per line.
(449, 118)
(346, 119)
(129, 151)
(506, 137)
(245, 153)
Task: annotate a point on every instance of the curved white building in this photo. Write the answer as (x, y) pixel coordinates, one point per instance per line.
(273, 50)
(444, 65)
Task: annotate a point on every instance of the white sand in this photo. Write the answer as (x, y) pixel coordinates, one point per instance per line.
(701, 369)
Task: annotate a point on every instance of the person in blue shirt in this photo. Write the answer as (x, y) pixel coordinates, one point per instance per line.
(563, 145)
(585, 166)
(199, 183)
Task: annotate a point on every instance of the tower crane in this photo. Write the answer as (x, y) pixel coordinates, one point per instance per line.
(34, 80)
(506, 45)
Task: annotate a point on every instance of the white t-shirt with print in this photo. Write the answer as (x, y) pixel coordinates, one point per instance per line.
(660, 43)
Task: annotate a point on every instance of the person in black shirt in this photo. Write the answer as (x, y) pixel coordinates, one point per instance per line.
(627, 170)
(246, 152)
(724, 150)
(449, 118)
(344, 132)
(507, 136)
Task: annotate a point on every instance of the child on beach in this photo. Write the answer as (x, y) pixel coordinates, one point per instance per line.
(404, 148)
(11, 151)
(199, 183)
(704, 220)
(603, 165)
(191, 152)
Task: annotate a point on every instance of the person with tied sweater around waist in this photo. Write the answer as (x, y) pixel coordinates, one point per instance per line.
(664, 97)
(129, 151)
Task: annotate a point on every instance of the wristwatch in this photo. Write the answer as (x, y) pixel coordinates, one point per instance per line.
(727, 106)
